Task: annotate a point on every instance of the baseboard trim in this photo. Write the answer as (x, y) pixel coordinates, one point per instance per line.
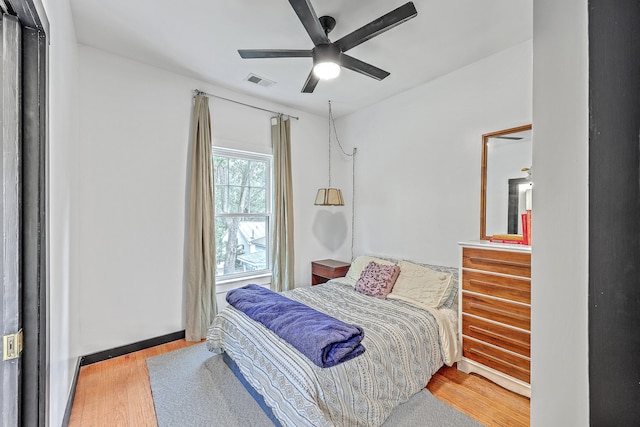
(130, 348)
(72, 394)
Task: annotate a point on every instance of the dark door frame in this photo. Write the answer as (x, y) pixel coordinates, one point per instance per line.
(35, 358)
(614, 208)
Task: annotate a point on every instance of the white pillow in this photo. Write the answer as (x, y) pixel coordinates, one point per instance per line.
(421, 285)
(358, 264)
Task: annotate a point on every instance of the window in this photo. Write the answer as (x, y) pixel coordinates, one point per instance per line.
(242, 185)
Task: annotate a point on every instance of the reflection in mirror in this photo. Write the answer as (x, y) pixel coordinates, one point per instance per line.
(519, 202)
(506, 181)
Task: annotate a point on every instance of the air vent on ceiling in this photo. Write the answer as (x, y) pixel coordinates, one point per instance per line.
(260, 81)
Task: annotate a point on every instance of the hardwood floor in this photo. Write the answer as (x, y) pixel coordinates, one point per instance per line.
(116, 392)
(480, 398)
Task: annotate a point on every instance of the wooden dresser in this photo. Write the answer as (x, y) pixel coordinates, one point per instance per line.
(495, 313)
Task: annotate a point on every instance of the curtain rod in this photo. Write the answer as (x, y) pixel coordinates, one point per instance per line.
(199, 92)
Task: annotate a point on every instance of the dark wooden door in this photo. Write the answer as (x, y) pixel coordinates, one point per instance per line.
(11, 219)
(23, 293)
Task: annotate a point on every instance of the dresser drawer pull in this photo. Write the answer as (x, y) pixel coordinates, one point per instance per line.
(495, 359)
(498, 311)
(502, 337)
(495, 285)
(499, 261)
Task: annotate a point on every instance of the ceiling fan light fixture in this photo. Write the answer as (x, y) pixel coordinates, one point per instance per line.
(326, 70)
(326, 61)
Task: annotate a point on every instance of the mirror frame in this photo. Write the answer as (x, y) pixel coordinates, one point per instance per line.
(483, 175)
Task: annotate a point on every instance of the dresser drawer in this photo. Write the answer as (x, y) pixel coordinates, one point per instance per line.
(502, 336)
(513, 263)
(509, 288)
(508, 363)
(506, 312)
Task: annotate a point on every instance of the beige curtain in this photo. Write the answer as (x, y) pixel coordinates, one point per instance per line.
(201, 293)
(282, 247)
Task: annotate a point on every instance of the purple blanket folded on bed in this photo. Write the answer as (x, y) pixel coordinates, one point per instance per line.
(325, 340)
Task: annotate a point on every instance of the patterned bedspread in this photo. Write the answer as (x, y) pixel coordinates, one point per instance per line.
(402, 353)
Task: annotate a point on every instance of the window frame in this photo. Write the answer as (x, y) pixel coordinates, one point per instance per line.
(268, 215)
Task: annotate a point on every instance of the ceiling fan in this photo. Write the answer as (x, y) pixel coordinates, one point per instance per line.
(329, 56)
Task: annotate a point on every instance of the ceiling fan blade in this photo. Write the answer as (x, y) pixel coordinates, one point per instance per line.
(274, 53)
(362, 67)
(311, 83)
(377, 26)
(310, 21)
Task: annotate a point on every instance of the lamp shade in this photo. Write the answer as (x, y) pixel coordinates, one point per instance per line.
(329, 197)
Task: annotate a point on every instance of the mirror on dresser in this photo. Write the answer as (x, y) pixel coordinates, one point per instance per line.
(505, 190)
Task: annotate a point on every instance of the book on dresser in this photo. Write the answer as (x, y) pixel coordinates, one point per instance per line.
(514, 239)
(495, 313)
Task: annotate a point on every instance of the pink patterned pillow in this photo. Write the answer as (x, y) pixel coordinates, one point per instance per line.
(377, 279)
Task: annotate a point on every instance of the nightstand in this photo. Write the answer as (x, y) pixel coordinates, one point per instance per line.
(325, 269)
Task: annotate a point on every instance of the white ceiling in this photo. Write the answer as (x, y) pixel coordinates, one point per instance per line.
(200, 38)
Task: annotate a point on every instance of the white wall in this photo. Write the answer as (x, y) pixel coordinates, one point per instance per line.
(62, 173)
(559, 318)
(134, 160)
(418, 160)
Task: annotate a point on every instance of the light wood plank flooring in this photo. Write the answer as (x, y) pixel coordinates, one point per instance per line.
(116, 392)
(480, 398)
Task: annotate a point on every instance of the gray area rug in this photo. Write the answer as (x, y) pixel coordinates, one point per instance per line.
(192, 388)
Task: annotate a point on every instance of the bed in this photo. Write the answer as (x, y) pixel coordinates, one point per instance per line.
(405, 342)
